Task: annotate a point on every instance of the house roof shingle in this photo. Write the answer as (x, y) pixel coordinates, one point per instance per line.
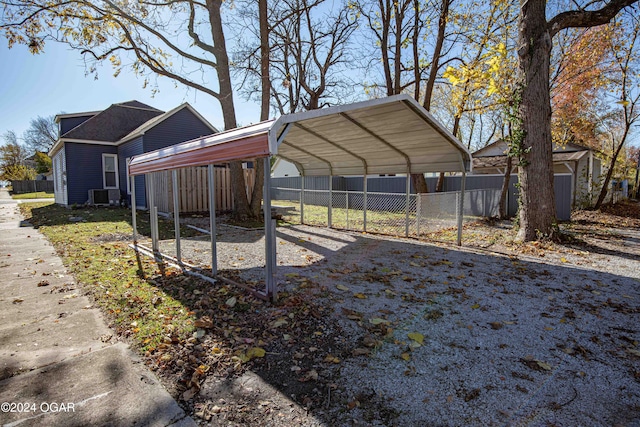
(114, 123)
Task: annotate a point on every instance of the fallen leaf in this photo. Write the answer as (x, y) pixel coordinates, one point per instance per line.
(406, 356)
(417, 337)
(204, 322)
(17, 301)
(331, 359)
(475, 306)
(311, 375)
(360, 295)
(279, 322)
(360, 351)
(496, 325)
(342, 287)
(231, 302)
(377, 321)
(255, 352)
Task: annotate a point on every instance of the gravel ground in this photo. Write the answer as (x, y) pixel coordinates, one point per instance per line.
(445, 336)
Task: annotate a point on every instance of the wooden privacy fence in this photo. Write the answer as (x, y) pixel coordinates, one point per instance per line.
(31, 186)
(193, 189)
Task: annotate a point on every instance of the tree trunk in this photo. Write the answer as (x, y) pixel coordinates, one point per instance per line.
(241, 210)
(440, 183)
(504, 209)
(607, 179)
(537, 200)
(419, 183)
(258, 164)
(437, 52)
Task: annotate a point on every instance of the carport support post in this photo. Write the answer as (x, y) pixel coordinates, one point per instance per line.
(153, 212)
(461, 206)
(134, 223)
(330, 204)
(269, 235)
(407, 204)
(211, 181)
(364, 208)
(302, 199)
(176, 213)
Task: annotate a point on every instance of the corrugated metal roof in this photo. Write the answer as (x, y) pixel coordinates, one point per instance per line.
(243, 143)
(380, 136)
(388, 135)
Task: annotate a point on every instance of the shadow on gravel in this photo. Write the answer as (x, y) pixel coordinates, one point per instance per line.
(392, 332)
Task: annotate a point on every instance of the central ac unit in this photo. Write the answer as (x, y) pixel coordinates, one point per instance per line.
(100, 197)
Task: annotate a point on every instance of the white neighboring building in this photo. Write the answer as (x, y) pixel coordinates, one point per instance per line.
(281, 168)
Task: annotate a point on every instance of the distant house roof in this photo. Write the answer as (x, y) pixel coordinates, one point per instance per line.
(501, 161)
(499, 148)
(488, 156)
(113, 123)
(119, 123)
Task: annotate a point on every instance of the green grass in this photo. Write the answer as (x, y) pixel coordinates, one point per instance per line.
(143, 301)
(38, 195)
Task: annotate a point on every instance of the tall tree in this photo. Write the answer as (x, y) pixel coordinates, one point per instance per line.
(12, 159)
(625, 75)
(309, 55)
(410, 48)
(537, 200)
(41, 134)
(183, 40)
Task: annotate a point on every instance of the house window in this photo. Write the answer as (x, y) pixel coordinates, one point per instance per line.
(109, 171)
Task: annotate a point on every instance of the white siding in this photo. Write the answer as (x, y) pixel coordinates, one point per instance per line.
(60, 177)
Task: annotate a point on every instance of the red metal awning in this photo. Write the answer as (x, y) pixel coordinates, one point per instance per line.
(244, 143)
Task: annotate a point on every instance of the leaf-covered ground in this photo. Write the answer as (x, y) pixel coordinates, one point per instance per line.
(377, 331)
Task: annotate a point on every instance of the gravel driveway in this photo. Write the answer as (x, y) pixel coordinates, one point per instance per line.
(448, 336)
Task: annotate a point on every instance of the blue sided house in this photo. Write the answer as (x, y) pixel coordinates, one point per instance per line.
(90, 157)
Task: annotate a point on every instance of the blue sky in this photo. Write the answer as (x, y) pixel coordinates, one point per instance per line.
(55, 82)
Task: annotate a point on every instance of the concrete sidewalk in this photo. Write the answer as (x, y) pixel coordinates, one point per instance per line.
(59, 362)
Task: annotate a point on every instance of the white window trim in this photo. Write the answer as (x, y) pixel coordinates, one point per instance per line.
(126, 162)
(115, 161)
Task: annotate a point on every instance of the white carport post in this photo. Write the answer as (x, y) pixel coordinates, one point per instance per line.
(153, 212)
(407, 204)
(461, 204)
(269, 234)
(211, 181)
(134, 223)
(330, 203)
(302, 198)
(364, 202)
(176, 212)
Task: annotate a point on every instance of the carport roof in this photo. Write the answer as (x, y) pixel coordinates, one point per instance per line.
(380, 136)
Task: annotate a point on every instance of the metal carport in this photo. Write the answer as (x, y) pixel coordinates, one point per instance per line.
(380, 136)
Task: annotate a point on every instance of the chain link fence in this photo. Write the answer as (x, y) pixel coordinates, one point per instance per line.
(393, 214)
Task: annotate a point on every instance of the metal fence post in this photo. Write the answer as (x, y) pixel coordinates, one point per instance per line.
(418, 212)
(347, 207)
